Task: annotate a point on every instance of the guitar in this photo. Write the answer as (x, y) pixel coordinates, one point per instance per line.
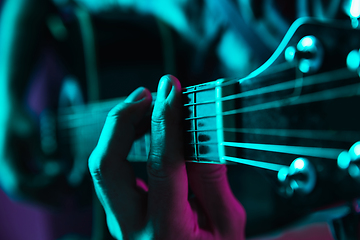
(289, 131)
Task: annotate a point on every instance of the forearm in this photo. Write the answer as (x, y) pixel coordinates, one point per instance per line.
(21, 26)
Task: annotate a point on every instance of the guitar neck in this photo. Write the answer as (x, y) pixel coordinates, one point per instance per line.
(83, 124)
(267, 119)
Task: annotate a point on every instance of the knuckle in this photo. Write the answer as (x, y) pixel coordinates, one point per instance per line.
(161, 167)
(158, 116)
(96, 165)
(163, 111)
(93, 161)
(118, 113)
(124, 114)
(155, 168)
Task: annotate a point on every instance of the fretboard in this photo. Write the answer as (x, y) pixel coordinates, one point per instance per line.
(80, 126)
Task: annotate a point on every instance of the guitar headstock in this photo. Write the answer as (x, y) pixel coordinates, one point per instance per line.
(295, 119)
(305, 116)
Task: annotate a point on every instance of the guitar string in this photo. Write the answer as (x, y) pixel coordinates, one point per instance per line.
(248, 162)
(73, 117)
(319, 152)
(340, 92)
(329, 135)
(328, 153)
(327, 97)
(140, 140)
(327, 94)
(326, 77)
(74, 112)
(255, 163)
(262, 164)
(307, 81)
(212, 85)
(277, 130)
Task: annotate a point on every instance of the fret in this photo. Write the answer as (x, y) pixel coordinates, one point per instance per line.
(200, 103)
(219, 121)
(201, 141)
(194, 124)
(191, 152)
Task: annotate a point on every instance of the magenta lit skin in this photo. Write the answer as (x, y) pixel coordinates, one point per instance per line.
(161, 209)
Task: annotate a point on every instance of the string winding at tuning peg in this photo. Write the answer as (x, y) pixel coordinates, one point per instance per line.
(299, 177)
(350, 160)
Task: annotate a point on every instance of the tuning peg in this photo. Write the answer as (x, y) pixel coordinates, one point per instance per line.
(350, 160)
(299, 177)
(353, 61)
(352, 9)
(308, 54)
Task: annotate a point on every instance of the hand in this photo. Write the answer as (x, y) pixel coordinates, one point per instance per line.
(163, 210)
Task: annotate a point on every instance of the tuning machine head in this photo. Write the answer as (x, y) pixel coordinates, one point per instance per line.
(308, 54)
(299, 177)
(349, 160)
(353, 61)
(352, 9)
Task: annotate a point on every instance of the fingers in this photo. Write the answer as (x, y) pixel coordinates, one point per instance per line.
(113, 177)
(211, 187)
(166, 132)
(168, 188)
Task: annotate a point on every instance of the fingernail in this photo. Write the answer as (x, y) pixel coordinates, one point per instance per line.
(164, 88)
(136, 95)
